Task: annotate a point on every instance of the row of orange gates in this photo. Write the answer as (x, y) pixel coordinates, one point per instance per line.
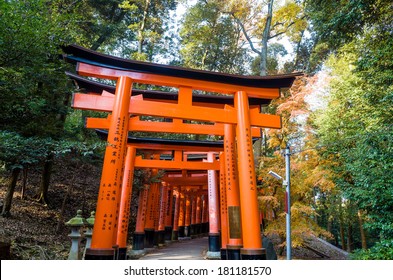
(208, 185)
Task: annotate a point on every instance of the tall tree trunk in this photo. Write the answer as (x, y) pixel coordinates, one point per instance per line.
(63, 205)
(362, 231)
(342, 236)
(265, 39)
(103, 37)
(23, 190)
(45, 180)
(349, 238)
(298, 45)
(341, 225)
(141, 36)
(115, 18)
(10, 193)
(329, 224)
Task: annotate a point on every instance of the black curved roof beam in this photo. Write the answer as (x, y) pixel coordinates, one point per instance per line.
(77, 54)
(103, 135)
(96, 87)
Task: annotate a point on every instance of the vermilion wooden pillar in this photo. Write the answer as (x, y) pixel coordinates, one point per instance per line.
(232, 191)
(162, 213)
(157, 213)
(169, 214)
(198, 212)
(138, 241)
(193, 214)
(252, 243)
(223, 209)
(182, 205)
(187, 219)
(150, 217)
(125, 203)
(175, 233)
(106, 218)
(214, 211)
(205, 214)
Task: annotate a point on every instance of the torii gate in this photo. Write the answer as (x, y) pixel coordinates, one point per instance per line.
(126, 73)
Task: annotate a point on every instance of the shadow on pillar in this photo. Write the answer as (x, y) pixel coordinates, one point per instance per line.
(253, 254)
(122, 254)
(168, 234)
(224, 254)
(193, 229)
(138, 246)
(214, 251)
(175, 235)
(205, 228)
(149, 238)
(160, 238)
(233, 252)
(181, 231)
(138, 241)
(96, 254)
(187, 231)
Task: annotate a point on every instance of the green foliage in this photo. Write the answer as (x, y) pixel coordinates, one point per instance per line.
(101, 24)
(17, 152)
(336, 23)
(149, 21)
(380, 251)
(32, 82)
(210, 40)
(357, 126)
(85, 149)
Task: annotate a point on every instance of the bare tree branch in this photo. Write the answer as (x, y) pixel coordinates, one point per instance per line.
(246, 35)
(282, 32)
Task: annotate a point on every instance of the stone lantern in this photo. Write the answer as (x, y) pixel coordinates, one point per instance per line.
(89, 230)
(76, 224)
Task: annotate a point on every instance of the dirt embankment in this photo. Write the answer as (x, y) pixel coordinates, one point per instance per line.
(37, 231)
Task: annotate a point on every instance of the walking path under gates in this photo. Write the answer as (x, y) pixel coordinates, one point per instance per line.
(187, 249)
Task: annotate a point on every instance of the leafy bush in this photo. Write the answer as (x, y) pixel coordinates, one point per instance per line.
(380, 251)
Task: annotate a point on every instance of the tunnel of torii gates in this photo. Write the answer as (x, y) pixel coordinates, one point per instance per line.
(208, 185)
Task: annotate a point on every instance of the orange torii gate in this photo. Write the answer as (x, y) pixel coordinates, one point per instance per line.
(126, 73)
(179, 128)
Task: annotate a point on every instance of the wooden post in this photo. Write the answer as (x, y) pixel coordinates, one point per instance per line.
(125, 203)
(214, 212)
(252, 243)
(205, 214)
(168, 215)
(235, 242)
(105, 226)
(149, 224)
(138, 241)
(223, 209)
(157, 200)
(198, 218)
(187, 220)
(181, 212)
(193, 214)
(162, 213)
(175, 232)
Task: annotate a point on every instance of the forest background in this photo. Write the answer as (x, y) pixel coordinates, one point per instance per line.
(337, 117)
